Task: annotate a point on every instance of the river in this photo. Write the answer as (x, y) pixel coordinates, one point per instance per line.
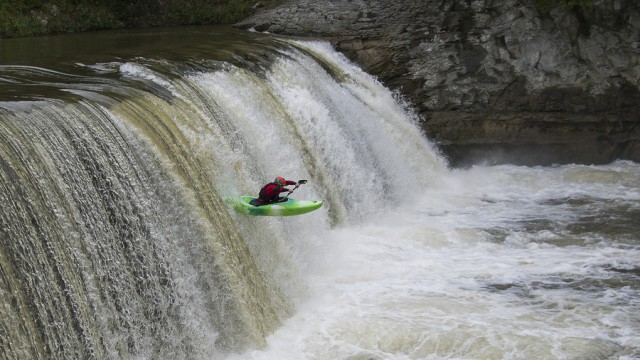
(118, 150)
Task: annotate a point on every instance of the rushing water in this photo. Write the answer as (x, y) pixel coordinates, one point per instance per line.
(117, 151)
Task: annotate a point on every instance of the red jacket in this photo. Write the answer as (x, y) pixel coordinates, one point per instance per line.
(271, 192)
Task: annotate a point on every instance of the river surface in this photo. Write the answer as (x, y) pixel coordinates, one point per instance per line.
(118, 151)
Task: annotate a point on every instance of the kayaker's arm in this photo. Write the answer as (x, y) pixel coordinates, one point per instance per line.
(300, 182)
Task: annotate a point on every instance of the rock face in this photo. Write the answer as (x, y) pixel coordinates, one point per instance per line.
(494, 80)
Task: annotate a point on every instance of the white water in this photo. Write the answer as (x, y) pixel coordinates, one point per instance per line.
(407, 260)
(429, 280)
(473, 264)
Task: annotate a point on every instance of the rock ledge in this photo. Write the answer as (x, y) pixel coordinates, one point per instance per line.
(497, 81)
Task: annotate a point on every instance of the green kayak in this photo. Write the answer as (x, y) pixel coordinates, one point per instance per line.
(289, 207)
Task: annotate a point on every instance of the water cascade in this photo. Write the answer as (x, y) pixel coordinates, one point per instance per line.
(118, 151)
(116, 240)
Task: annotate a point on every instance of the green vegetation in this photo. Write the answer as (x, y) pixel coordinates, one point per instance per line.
(20, 18)
(548, 4)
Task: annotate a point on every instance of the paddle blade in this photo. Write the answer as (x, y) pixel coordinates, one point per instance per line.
(302, 182)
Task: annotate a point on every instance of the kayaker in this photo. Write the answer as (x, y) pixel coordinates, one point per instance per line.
(270, 193)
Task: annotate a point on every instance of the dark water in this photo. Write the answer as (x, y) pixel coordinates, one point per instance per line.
(179, 44)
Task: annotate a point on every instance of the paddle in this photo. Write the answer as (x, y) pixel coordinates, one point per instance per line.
(300, 182)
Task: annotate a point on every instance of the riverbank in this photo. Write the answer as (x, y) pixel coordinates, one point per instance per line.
(24, 18)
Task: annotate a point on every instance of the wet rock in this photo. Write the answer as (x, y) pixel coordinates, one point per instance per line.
(496, 81)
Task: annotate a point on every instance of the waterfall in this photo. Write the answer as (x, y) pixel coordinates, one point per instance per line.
(115, 238)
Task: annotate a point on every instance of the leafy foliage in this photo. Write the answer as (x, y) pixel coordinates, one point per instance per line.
(19, 18)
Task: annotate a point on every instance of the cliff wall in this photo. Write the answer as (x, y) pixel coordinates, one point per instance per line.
(495, 81)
